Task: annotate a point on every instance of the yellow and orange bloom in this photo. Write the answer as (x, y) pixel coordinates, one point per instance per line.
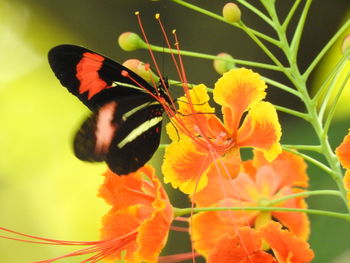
(136, 227)
(260, 183)
(246, 245)
(203, 141)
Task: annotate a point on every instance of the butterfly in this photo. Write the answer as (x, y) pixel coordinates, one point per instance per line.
(125, 124)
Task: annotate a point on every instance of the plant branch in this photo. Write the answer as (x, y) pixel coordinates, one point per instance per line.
(292, 112)
(212, 57)
(298, 32)
(311, 160)
(304, 194)
(290, 15)
(220, 18)
(282, 86)
(256, 11)
(184, 211)
(313, 148)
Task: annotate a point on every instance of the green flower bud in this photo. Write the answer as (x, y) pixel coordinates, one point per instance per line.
(222, 66)
(141, 69)
(129, 41)
(231, 13)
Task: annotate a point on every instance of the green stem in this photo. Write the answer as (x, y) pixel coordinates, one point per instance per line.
(220, 18)
(256, 11)
(292, 112)
(212, 57)
(311, 160)
(325, 49)
(281, 86)
(298, 32)
(335, 103)
(313, 148)
(290, 15)
(188, 211)
(284, 45)
(299, 81)
(304, 194)
(251, 34)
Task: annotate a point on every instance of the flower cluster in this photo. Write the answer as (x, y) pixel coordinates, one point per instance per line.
(240, 208)
(204, 161)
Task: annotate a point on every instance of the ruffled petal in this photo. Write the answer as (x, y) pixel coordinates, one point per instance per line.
(185, 167)
(237, 91)
(343, 152)
(243, 247)
(291, 168)
(141, 224)
(249, 168)
(261, 130)
(220, 175)
(119, 223)
(297, 223)
(209, 227)
(195, 116)
(286, 247)
(153, 234)
(116, 189)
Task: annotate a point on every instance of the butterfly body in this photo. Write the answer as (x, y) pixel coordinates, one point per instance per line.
(124, 127)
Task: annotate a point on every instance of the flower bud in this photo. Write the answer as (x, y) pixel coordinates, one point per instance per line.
(141, 69)
(231, 13)
(129, 41)
(222, 66)
(346, 44)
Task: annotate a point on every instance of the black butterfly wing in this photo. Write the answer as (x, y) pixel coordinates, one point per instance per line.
(124, 128)
(125, 133)
(92, 77)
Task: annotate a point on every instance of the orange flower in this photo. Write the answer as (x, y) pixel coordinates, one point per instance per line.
(261, 183)
(141, 212)
(134, 230)
(246, 246)
(202, 140)
(343, 153)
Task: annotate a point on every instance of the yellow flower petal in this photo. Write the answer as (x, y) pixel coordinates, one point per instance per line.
(238, 90)
(261, 130)
(185, 167)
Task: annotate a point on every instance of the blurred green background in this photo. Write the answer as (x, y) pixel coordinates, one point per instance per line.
(44, 190)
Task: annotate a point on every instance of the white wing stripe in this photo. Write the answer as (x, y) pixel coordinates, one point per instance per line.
(140, 130)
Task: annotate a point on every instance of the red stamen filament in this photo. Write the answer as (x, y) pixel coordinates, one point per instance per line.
(169, 111)
(179, 228)
(104, 248)
(139, 193)
(181, 219)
